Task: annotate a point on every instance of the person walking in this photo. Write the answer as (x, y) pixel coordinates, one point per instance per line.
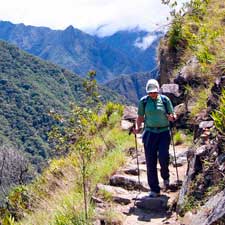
(156, 111)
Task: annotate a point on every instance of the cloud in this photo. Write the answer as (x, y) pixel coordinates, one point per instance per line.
(86, 15)
(145, 42)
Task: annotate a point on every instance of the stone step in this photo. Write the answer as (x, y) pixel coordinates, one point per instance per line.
(117, 194)
(155, 204)
(128, 182)
(133, 170)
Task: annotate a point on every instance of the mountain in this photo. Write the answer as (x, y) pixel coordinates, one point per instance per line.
(139, 45)
(29, 89)
(131, 86)
(122, 53)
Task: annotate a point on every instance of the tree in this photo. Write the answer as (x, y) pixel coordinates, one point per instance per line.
(15, 169)
(74, 132)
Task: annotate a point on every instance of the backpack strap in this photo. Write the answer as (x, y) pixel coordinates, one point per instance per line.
(145, 99)
(164, 101)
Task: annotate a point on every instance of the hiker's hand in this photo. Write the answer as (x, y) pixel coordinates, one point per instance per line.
(171, 117)
(136, 130)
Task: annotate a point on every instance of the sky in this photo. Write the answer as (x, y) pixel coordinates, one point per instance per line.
(105, 16)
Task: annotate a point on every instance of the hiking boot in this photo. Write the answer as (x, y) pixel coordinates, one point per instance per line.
(166, 183)
(153, 194)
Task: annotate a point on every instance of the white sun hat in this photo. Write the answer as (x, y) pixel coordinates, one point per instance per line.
(152, 86)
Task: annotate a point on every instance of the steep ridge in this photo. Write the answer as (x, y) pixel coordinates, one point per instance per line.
(30, 89)
(121, 53)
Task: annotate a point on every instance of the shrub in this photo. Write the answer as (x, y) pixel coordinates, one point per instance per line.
(178, 138)
(219, 114)
(201, 102)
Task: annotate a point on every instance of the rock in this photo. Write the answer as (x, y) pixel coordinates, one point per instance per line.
(172, 91)
(111, 221)
(186, 185)
(126, 125)
(182, 116)
(130, 113)
(131, 171)
(142, 159)
(206, 124)
(194, 157)
(202, 150)
(118, 194)
(180, 161)
(155, 204)
(216, 91)
(181, 158)
(97, 222)
(212, 212)
(128, 182)
(187, 218)
(220, 161)
(189, 75)
(96, 200)
(180, 109)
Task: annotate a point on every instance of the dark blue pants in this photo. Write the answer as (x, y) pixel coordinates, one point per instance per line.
(156, 146)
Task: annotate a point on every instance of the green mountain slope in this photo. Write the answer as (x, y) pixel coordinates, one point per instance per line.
(29, 89)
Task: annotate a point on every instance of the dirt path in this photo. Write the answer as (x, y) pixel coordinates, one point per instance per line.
(134, 214)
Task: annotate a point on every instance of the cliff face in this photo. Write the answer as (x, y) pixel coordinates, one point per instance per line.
(191, 56)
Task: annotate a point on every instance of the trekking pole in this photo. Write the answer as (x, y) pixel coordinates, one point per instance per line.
(136, 149)
(174, 152)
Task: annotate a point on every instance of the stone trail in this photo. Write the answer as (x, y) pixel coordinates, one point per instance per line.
(129, 198)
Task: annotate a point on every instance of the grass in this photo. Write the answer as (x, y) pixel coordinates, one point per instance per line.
(219, 114)
(201, 35)
(57, 193)
(178, 138)
(200, 97)
(112, 217)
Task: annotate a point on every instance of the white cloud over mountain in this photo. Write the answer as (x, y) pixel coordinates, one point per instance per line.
(86, 15)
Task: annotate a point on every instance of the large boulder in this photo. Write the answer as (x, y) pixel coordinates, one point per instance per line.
(190, 75)
(212, 212)
(172, 91)
(130, 113)
(194, 167)
(182, 116)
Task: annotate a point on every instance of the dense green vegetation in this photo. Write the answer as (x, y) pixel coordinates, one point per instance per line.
(56, 197)
(29, 89)
(198, 35)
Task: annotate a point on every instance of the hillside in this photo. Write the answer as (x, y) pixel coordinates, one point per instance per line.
(75, 188)
(192, 57)
(121, 53)
(29, 89)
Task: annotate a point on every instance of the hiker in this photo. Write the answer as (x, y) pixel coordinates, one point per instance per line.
(156, 111)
